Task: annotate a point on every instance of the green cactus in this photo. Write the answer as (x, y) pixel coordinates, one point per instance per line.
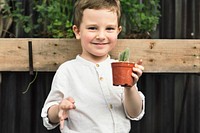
(124, 55)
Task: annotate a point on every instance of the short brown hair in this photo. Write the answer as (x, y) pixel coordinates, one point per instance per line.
(81, 5)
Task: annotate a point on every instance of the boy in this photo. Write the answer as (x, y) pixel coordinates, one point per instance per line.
(82, 97)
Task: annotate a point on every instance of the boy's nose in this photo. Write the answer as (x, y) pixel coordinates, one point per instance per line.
(100, 35)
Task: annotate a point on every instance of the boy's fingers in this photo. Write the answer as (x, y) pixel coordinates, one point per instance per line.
(68, 107)
(139, 65)
(68, 104)
(62, 116)
(62, 124)
(138, 71)
(139, 62)
(71, 100)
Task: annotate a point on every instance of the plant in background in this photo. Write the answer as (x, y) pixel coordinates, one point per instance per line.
(55, 18)
(140, 16)
(50, 18)
(14, 13)
(4, 22)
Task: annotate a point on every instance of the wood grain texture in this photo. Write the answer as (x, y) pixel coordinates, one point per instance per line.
(158, 55)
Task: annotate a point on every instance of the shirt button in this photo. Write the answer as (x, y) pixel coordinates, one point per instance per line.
(111, 107)
(101, 78)
(97, 65)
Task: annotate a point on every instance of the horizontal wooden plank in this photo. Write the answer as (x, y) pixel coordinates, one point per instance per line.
(158, 55)
(164, 55)
(13, 55)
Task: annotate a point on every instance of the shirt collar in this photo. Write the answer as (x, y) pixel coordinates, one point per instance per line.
(86, 62)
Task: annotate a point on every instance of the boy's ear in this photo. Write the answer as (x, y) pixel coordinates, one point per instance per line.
(76, 31)
(119, 29)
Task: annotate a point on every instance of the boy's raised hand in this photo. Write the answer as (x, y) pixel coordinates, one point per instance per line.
(65, 105)
(137, 71)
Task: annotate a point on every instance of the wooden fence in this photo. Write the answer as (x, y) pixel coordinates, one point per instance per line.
(45, 55)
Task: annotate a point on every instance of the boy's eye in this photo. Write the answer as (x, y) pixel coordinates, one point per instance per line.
(92, 28)
(110, 28)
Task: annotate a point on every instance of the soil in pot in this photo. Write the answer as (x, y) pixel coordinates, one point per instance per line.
(122, 73)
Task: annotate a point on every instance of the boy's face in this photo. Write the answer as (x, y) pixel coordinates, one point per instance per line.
(98, 33)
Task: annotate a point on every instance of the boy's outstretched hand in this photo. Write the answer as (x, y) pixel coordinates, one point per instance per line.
(64, 106)
(137, 71)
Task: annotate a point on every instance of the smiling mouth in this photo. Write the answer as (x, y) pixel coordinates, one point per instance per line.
(99, 43)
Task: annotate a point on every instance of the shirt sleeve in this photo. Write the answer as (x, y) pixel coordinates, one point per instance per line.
(55, 95)
(143, 109)
(45, 118)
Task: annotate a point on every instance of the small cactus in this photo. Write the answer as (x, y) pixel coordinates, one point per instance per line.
(124, 55)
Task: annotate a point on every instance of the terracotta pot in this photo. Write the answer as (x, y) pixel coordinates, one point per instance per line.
(122, 73)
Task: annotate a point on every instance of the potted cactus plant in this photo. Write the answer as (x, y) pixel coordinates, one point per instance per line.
(122, 70)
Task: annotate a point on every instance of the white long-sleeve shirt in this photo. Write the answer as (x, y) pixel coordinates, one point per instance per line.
(99, 104)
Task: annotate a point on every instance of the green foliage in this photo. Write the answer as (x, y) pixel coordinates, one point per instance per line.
(16, 13)
(141, 15)
(53, 18)
(124, 55)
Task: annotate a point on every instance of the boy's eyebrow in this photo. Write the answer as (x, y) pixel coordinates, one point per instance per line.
(112, 25)
(107, 25)
(88, 25)
(95, 25)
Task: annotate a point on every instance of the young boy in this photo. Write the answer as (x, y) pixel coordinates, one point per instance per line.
(82, 98)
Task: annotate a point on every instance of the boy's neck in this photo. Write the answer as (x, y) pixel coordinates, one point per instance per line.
(95, 59)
